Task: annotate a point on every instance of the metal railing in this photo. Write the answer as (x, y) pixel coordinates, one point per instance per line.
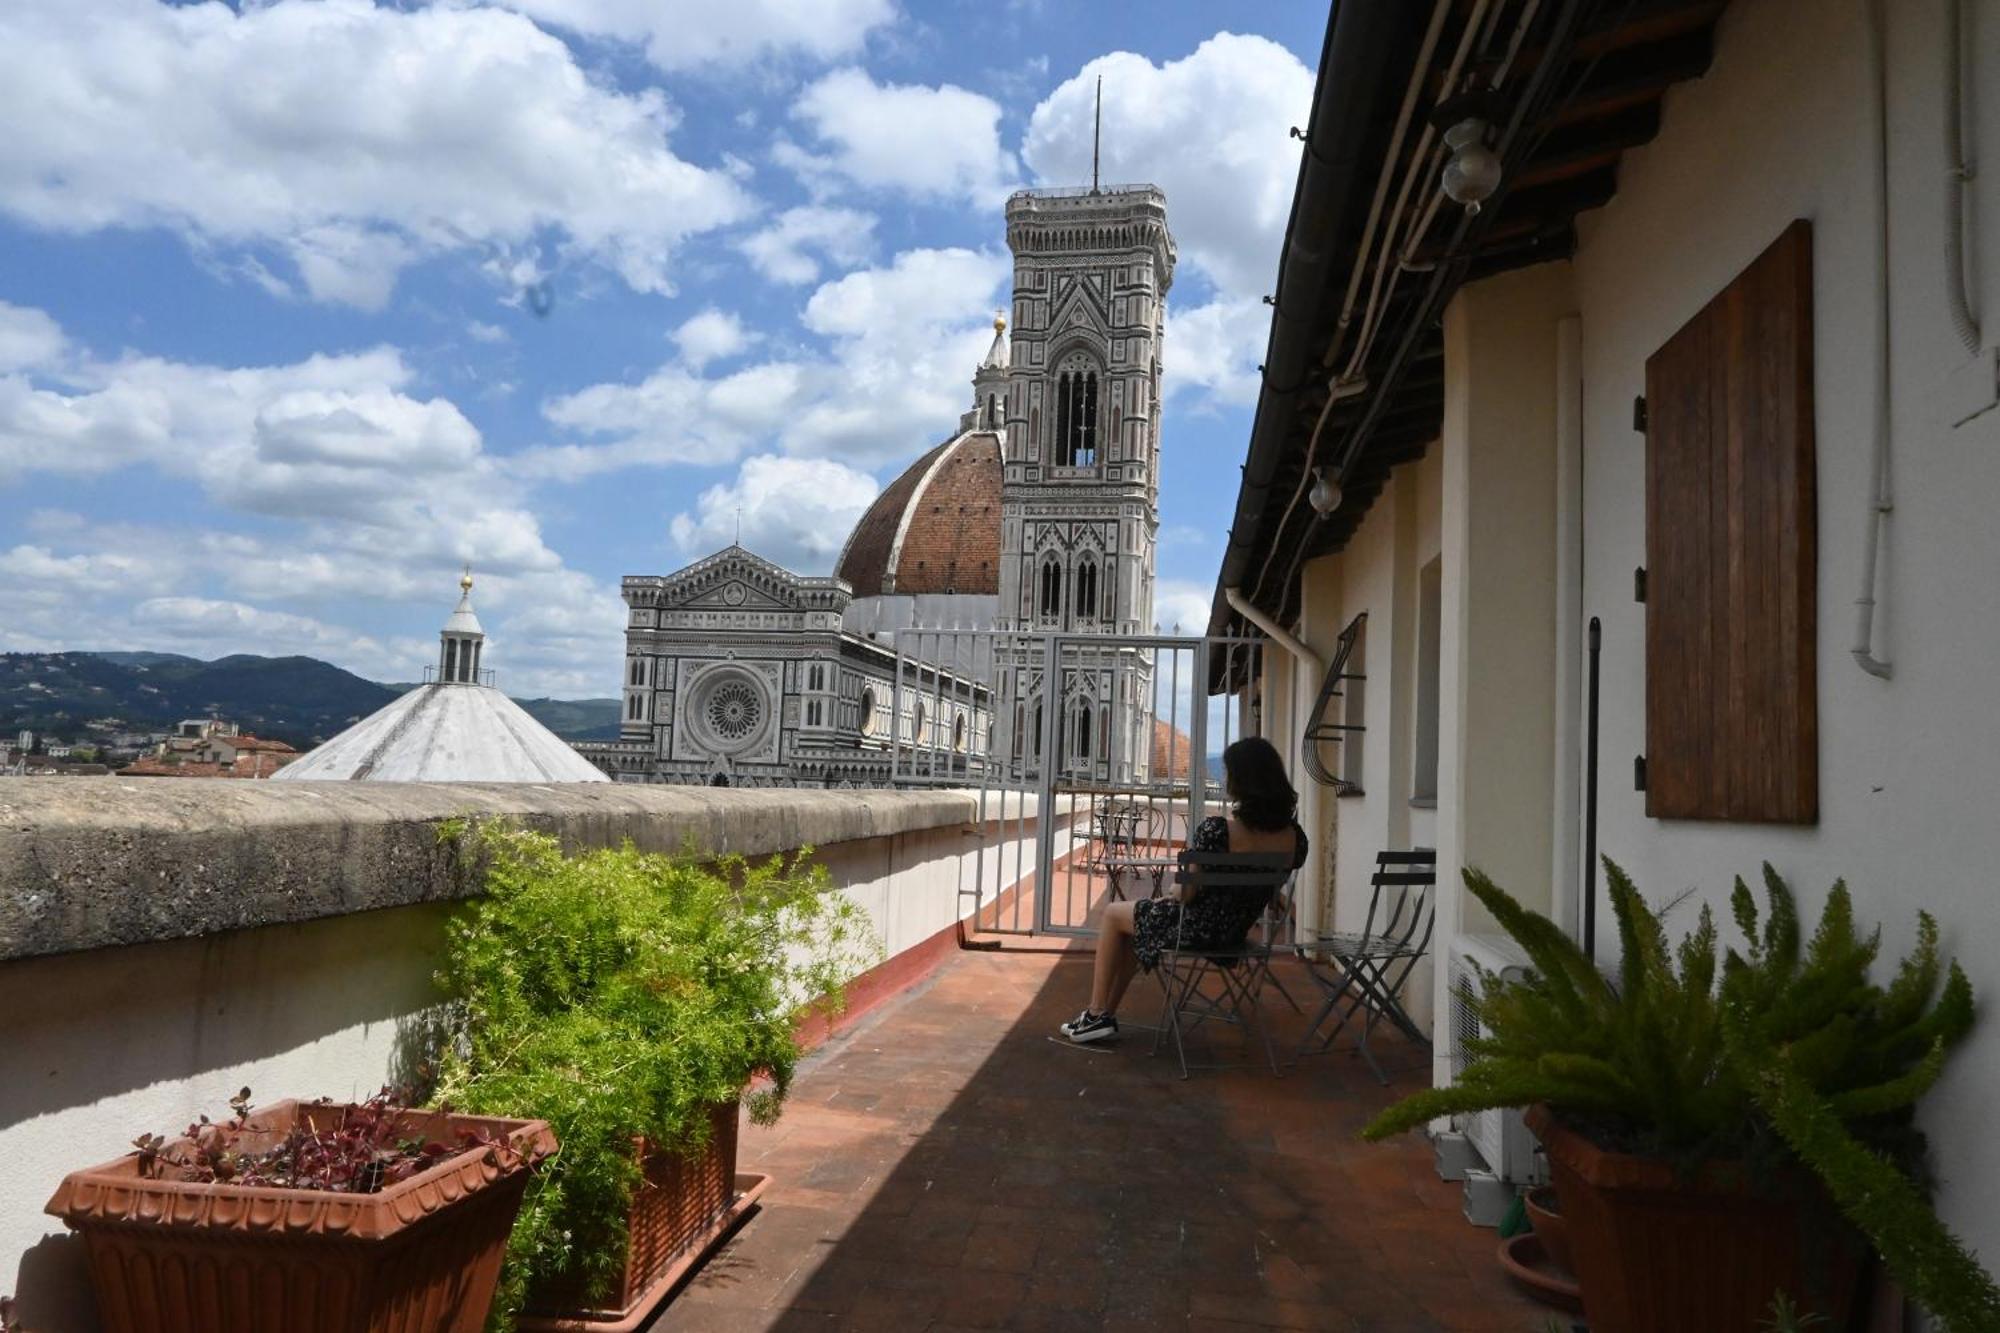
(1092, 770)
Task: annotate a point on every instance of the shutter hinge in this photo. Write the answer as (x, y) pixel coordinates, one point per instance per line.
(1639, 773)
(1639, 414)
(1639, 584)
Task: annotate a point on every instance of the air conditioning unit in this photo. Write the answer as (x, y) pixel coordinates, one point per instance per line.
(1499, 1136)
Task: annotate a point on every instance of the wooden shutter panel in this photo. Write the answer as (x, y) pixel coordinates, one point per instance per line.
(1732, 722)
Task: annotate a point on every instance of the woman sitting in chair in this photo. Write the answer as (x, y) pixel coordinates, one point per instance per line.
(1263, 819)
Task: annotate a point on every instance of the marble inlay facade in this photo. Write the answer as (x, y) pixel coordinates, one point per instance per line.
(1040, 513)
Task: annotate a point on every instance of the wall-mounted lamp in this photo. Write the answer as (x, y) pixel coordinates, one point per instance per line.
(1472, 173)
(1325, 496)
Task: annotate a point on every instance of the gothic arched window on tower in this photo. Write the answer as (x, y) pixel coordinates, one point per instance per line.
(1083, 730)
(1076, 416)
(1051, 601)
(1086, 589)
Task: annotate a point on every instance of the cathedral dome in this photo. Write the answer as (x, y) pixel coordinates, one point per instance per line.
(934, 529)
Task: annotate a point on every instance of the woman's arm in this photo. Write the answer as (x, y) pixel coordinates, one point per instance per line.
(1211, 835)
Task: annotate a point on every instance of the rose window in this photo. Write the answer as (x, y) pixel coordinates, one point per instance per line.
(733, 710)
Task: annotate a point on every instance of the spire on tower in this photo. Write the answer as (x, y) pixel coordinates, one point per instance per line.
(996, 354)
(1096, 133)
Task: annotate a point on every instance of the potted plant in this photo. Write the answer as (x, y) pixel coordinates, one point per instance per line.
(312, 1217)
(1715, 1130)
(629, 999)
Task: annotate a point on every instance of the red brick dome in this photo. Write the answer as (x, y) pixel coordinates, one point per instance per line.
(936, 528)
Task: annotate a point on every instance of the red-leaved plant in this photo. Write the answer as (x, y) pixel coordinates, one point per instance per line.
(357, 1149)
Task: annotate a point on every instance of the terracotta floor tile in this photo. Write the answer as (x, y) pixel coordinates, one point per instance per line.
(945, 1166)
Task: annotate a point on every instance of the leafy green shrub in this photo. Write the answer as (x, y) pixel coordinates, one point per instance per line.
(620, 994)
(1787, 1049)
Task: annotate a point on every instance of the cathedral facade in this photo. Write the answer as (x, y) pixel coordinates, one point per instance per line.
(1039, 514)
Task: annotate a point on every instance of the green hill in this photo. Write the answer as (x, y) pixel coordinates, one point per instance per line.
(301, 700)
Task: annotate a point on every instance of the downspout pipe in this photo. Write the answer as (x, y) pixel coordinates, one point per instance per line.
(1880, 500)
(1957, 171)
(1277, 633)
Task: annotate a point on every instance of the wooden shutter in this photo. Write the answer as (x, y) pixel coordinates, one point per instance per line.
(1732, 722)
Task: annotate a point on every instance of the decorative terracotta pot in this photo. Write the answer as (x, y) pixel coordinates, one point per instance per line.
(421, 1256)
(682, 1208)
(1657, 1251)
(1546, 1216)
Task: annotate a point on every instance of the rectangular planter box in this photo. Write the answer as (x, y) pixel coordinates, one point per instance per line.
(422, 1256)
(681, 1209)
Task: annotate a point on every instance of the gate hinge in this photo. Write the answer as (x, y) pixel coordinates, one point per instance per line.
(1639, 414)
(1639, 773)
(1639, 584)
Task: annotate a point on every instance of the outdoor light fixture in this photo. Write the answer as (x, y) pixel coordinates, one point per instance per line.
(1473, 172)
(1325, 495)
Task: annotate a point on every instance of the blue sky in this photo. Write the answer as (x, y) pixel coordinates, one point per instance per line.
(304, 303)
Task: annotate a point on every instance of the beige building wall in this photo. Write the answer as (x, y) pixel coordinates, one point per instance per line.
(1782, 128)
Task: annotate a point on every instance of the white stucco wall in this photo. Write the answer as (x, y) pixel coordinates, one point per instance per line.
(1377, 572)
(104, 1044)
(1780, 129)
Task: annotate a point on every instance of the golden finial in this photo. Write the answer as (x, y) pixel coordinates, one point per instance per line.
(465, 580)
(999, 321)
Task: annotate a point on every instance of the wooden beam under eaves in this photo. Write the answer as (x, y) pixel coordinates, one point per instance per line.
(1631, 78)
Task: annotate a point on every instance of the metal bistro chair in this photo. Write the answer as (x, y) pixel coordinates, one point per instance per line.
(1368, 969)
(1223, 985)
(1116, 827)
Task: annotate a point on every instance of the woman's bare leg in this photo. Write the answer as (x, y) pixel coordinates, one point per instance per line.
(1115, 959)
(1129, 968)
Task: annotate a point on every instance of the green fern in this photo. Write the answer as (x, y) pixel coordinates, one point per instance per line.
(1690, 1056)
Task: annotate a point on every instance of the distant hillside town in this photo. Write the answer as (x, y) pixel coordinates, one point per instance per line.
(164, 714)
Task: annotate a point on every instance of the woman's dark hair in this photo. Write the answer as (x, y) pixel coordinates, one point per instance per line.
(1256, 781)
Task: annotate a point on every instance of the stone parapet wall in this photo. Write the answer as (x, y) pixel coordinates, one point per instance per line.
(91, 863)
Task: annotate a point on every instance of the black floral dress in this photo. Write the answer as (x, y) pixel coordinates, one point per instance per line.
(1215, 918)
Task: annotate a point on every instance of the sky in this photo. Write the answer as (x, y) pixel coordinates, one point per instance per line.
(304, 304)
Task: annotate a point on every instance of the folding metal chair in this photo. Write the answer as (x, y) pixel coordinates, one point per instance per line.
(1368, 969)
(1223, 985)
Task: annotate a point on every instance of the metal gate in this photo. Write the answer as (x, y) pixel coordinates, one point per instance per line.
(1088, 755)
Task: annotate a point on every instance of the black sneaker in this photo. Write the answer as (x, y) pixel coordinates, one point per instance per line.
(1086, 1027)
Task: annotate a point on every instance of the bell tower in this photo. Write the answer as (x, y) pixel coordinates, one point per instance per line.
(1080, 508)
(1080, 493)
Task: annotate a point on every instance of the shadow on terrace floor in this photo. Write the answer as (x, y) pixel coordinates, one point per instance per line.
(946, 1165)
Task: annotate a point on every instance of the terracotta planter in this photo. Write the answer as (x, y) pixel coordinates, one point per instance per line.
(1656, 1252)
(683, 1207)
(419, 1257)
(1545, 1215)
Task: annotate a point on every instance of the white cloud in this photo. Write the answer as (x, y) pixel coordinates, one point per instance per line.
(221, 626)
(1181, 607)
(28, 338)
(781, 251)
(711, 335)
(1216, 347)
(1210, 129)
(354, 138)
(900, 346)
(674, 416)
(379, 495)
(938, 143)
(680, 34)
(481, 331)
(796, 511)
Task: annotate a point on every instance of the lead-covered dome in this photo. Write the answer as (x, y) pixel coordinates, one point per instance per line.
(935, 528)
